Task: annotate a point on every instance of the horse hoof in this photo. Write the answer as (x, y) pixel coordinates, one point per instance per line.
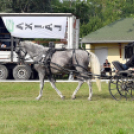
(89, 99)
(63, 97)
(37, 98)
(73, 97)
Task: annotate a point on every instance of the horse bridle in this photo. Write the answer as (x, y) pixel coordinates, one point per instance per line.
(19, 51)
(25, 53)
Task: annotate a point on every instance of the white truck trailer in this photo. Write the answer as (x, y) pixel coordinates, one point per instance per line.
(16, 26)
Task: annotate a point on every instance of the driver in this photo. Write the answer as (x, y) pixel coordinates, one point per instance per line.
(129, 63)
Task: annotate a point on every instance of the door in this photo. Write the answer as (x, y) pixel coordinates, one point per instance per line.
(101, 53)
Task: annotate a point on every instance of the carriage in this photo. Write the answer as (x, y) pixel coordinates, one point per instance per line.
(121, 85)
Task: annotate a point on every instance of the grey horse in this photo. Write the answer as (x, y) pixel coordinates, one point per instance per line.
(62, 60)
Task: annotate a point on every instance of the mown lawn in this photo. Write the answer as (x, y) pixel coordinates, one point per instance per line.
(20, 113)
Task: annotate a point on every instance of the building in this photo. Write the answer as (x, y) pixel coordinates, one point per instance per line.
(110, 41)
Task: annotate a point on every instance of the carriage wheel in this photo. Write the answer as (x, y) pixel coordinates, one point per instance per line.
(125, 87)
(113, 89)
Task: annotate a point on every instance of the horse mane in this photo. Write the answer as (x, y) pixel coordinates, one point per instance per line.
(34, 46)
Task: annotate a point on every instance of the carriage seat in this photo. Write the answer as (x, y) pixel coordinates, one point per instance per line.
(118, 65)
(121, 71)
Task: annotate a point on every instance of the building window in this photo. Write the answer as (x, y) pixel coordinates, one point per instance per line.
(128, 51)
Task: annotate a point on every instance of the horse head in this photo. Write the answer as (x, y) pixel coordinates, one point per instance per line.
(21, 51)
(34, 50)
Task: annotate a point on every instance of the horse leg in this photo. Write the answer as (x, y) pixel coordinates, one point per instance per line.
(41, 77)
(76, 90)
(54, 87)
(90, 89)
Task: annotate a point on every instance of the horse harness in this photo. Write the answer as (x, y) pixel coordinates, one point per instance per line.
(47, 56)
(21, 58)
(47, 60)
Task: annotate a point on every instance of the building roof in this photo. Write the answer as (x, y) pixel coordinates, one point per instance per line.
(118, 32)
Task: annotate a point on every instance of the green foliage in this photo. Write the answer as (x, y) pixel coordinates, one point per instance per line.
(21, 6)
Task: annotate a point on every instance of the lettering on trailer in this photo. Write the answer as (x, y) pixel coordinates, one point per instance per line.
(36, 27)
(31, 26)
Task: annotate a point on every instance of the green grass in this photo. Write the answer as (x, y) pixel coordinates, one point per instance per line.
(20, 113)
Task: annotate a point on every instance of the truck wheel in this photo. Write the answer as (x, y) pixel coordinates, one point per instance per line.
(22, 72)
(3, 72)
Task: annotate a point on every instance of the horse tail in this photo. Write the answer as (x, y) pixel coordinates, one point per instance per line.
(94, 64)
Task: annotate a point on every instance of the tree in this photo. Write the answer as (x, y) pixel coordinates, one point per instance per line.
(93, 14)
(24, 6)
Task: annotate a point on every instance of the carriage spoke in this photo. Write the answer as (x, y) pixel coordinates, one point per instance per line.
(121, 88)
(125, 88)
(130, 94)
(113, 90)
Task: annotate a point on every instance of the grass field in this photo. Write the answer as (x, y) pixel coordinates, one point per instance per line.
(20, 113)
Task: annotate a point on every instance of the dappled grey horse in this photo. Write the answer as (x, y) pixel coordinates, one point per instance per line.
(78, 59)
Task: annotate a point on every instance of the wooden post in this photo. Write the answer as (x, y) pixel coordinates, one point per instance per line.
(120, 49)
